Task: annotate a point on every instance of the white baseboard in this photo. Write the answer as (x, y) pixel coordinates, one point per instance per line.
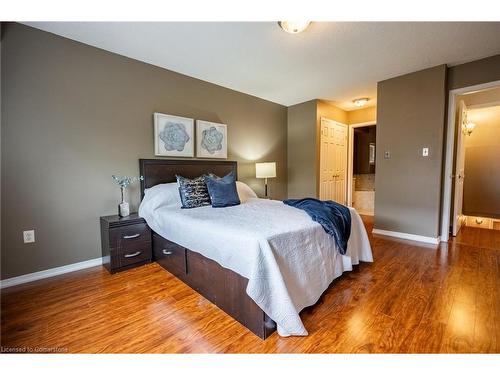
(49, 273)
(407, 236)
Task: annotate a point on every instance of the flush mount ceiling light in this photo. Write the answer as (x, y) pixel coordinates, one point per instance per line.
(294, 27)
(360, 102)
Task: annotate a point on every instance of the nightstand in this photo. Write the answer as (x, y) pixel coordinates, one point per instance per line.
(125, 242)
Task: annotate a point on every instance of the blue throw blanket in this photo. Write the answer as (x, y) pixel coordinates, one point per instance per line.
(333, 217)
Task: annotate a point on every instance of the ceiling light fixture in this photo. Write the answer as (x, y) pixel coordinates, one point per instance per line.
(360, 102)
(294, 27)
(469, 128)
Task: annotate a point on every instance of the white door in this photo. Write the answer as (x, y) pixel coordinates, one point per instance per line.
(459, 169)
(333, 161)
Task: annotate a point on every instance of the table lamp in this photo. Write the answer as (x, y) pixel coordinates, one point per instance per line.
(265, 170)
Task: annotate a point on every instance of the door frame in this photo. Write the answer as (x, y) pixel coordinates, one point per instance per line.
(346, 152)
(457, 171)
(350, 157)
(450, 155)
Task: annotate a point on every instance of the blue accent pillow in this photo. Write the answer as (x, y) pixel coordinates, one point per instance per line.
(222, 191)
(193, 192)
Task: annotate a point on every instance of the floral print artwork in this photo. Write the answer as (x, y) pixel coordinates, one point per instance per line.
(211, 140)
(174, 136)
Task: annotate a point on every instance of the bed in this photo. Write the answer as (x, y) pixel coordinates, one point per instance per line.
(261, 262)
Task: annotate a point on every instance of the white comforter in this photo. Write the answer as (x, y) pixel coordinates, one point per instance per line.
(288, 259)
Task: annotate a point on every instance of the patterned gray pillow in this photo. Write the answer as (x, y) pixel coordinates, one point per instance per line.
(193, 192)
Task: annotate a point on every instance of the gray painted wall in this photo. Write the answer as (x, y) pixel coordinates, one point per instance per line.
(474, 72)
(301, 145)
(304, 124)
(482, 165)
(72, 115)
(410, 116)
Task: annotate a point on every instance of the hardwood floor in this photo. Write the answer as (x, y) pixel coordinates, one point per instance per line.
(412, 299)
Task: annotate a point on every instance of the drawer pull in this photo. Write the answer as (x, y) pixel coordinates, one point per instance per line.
(166, 252)
(131, 236)
(133, 255)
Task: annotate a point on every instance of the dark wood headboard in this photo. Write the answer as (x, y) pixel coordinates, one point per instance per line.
(161, 171)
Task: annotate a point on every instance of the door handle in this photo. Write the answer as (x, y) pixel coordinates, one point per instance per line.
(132, 255)
(166, 252)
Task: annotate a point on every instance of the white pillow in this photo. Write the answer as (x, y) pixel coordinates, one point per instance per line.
(163, 194)
(245, 192)
(168, 194)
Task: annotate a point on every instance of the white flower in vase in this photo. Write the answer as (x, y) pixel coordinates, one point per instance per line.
(123, 183)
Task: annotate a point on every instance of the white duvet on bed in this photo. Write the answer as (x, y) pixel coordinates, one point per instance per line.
(288, 259)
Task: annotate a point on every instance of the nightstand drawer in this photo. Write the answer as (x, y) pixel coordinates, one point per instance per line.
(170, 256)
(124, 236)
(134, 253)
(125, 242)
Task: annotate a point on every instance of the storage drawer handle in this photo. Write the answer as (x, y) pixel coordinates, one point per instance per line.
(133, 255)
(131, 236)
(166, 252)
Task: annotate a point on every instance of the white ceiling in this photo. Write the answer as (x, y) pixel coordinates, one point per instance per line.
(335, 61)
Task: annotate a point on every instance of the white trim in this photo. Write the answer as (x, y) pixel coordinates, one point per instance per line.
(362, 124)
(350, 156)
(407, 236)
(450, 142)
(50, 273)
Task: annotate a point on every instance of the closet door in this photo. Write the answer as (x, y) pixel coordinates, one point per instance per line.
(340, 134)
(333, 161)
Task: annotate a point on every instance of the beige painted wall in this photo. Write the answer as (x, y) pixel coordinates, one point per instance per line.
(303, 137)
(482, 164)
(362, 115)
(474, 73)
(490, 97)
(303, 132)
(325, 109)
(410, 116)
(301, 146)
(73, 115)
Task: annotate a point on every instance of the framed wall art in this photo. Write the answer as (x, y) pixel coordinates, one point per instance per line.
(174, 135)
(211, 140)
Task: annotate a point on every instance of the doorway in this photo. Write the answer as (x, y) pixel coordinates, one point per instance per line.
(471, 194)
(333, 161)
(362, 168)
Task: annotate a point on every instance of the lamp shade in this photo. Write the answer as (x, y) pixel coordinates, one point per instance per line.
(265, 170)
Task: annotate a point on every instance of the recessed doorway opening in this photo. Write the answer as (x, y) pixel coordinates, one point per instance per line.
(471, 195)
(361, 167)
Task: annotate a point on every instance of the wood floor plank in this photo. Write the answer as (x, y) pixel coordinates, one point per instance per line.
(413, 299)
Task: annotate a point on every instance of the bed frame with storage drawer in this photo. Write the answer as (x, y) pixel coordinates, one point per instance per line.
(223, 287)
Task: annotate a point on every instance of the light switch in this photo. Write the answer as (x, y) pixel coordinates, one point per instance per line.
(29, 236)
(387, 155)
(425, 151)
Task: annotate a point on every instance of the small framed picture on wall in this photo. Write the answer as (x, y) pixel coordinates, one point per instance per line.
(211, 140)
(174, 135)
